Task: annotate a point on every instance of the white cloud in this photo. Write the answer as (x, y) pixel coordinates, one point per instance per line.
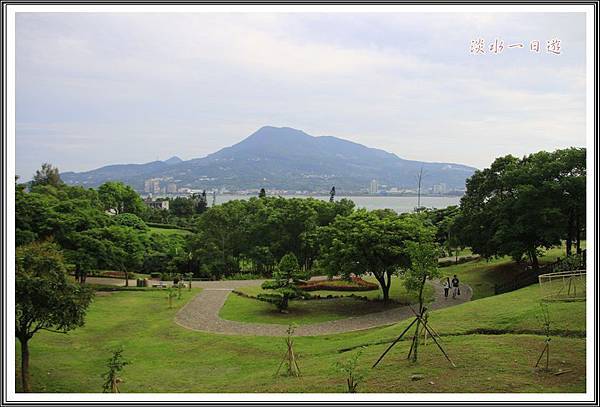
(165, 84)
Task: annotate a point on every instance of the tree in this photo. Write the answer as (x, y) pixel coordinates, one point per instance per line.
(519, 206)
(370, 242)
(423, 257)
(286, 276)
(44, 298)
(201, 204)
(332, 194)
(183, 207)
(123, 248)
(262, 193)
(114, 365)
(120, 198)
(47, 175)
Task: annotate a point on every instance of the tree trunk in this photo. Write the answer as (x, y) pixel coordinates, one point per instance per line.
(385, 286)
(578, 232)
(25, 365)
(126, 279)
(421, 296)
(534, 260)
(570, 234)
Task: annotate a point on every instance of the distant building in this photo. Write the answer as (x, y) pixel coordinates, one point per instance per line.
(156, 186)
(157, 204)
(373, 187)
(171, 188)
(148, 186)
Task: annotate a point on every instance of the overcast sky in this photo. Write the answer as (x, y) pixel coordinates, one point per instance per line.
(96, 89)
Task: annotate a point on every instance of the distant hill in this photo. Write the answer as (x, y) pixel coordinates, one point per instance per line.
(283, 158)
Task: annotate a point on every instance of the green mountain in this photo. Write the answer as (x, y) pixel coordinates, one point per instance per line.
(287, 159)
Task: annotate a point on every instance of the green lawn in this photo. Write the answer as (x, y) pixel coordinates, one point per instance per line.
(168, 358)
(398, 292)
(482, 274)
(163, 231)
(238, 308)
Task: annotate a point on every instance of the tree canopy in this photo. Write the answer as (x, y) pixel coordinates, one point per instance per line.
(371, 242)
(519, 206)
(45, 299)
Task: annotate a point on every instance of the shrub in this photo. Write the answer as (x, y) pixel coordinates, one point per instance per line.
(155, 275)
(131, 220)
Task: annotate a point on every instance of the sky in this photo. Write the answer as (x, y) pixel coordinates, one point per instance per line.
(102, 88)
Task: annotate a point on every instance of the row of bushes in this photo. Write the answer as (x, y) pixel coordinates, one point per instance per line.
(356, 284)
(461, 260)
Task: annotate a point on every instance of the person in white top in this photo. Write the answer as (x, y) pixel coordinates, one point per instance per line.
(446, 286)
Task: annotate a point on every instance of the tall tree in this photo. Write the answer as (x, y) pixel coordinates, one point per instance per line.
(517, 207)
(47, 175)
(45, 299)
(370, 242)
(120, 198)
(332, 194)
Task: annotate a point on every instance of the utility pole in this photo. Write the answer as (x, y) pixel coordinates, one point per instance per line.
(419, 178)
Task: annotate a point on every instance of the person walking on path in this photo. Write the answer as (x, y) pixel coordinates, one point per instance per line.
(446, 286)
(455, 287)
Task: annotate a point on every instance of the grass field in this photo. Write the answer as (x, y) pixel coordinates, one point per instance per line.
(482, 274)
(238, 308)
(168, 358)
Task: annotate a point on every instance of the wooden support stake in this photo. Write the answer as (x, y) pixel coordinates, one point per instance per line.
(393, 343)
(439, 346)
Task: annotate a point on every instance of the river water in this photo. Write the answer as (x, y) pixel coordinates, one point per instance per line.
(400, 204)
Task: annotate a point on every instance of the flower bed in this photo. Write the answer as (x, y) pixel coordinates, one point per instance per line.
(357, 284)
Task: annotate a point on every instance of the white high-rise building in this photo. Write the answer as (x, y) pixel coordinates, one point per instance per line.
(374, 187)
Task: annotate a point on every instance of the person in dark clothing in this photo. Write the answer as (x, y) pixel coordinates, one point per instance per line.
(455, 287)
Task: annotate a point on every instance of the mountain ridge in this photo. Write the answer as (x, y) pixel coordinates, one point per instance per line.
(282, 158)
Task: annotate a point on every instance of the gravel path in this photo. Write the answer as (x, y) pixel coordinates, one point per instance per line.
(202, 313)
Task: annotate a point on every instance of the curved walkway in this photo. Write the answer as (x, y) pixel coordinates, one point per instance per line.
(202, 313)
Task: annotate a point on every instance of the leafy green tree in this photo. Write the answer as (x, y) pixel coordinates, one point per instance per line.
(183, 207)
(35, 217)
(45, 299)
(518, 207)
(123, 248)
(120, 198)
(370, 243)
(201, 203)
(47, 175)
(423, 257)
(262, 193)
(130, 220)
(114, 365)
